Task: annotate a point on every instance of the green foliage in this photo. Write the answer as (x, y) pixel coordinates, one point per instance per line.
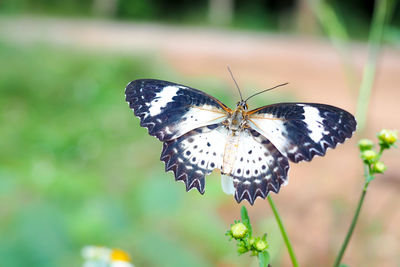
(245, 218)
(70, 7)
(264, 259)
(73, 172)
(241, 231)
(257, 15)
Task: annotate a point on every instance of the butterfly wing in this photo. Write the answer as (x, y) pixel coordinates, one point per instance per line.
(259, 167)
(302, 130)
(195, 154)
(169, 110)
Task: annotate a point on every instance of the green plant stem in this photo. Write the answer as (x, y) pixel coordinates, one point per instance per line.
(283, 232)
(352, 225)
(381, 14)
(337, 33)
(367, 174)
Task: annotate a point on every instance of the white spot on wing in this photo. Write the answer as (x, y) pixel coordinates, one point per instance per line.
(167, 130)
(313, 121)
(162, 99)
(198, 117)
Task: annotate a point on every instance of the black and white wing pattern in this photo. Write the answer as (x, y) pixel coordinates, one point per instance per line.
(302, 130)
(251, 148)
(187, 121)
(259, 167)
(195, 154)
(169, 110)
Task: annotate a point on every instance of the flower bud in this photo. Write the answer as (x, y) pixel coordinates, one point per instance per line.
(365, 144)
(260, 245)
(369, 156)
(252, 241)
(387, 138)
(239, 230)
(242, 250)
(379, 167)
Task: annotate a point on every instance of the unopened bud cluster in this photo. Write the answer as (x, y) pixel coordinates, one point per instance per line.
(240, 232)
(387, 139)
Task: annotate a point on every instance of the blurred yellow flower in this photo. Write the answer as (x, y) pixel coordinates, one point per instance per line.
(98, 256)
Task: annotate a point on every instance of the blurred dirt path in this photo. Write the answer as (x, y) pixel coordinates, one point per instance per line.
(316, 74)
(311, 65)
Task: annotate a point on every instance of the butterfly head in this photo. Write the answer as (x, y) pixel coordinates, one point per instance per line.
(242, 105)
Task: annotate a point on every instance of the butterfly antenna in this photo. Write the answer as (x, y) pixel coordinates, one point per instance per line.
(237, 86)
(266, 90)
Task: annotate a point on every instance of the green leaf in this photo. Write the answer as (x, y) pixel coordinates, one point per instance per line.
(263, 259)
(344, 265)
(244, 214)
(246, 219)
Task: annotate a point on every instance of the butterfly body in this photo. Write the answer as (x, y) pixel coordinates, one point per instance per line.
(251, 147)
(237, 119)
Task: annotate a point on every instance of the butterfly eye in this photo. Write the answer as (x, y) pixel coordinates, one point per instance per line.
(242, 104)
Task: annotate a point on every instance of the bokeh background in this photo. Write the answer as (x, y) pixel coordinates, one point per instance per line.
(76, 169)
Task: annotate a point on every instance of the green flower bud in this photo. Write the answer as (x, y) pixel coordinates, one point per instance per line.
(242, 250)
(252, 241)
(365, 144)
(261, 245)
(379, 167)
(369, 156)
(239, 230)
(387, 138)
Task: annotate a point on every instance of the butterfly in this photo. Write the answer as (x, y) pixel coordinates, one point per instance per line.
(251, 148)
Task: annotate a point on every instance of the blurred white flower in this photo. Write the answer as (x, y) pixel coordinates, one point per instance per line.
(97, 256)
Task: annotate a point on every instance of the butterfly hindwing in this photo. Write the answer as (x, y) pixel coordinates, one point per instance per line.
(302, 130)
(195, 154)
(169, 110)
(259, 167)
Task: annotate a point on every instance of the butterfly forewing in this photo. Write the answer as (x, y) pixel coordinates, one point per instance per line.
(302, 130)
(169, 110)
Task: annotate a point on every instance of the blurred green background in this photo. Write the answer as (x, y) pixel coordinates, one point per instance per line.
(75, 167)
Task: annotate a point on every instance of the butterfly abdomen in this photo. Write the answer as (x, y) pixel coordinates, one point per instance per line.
(230, 152)
(235, 123)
